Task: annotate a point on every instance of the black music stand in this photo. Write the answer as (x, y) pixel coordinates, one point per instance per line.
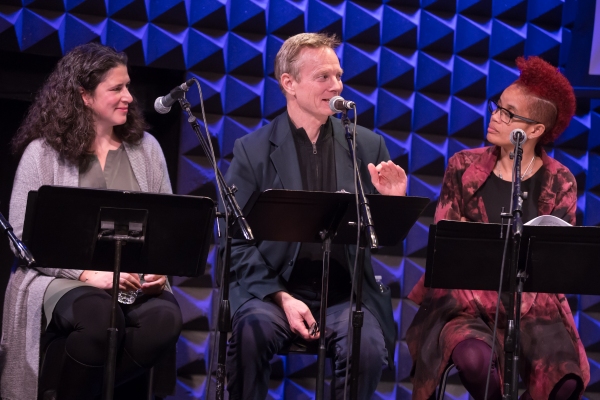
(458, 250)
(464, 255)
(324, 217)
(72, 228)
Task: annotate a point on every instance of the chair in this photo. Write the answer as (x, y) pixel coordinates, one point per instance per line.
(443, 381)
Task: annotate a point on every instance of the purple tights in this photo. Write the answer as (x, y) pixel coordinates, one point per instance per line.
(472, 358)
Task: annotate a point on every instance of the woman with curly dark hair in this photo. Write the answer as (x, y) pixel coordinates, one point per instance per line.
(60, 114)
(456, 325)
(84, 129)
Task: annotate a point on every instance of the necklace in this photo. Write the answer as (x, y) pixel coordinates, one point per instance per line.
(527, 170)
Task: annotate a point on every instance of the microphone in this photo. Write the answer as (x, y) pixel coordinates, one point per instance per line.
(518, 136)
(22, 251)
(337, 104)
(163, 104)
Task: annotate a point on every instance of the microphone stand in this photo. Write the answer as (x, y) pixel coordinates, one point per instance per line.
(233, 214)
(22, 251)
(367, 236)
(517, 277)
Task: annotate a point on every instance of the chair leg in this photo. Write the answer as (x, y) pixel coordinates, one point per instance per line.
(150, 388)
(332, 382)
(442, 386)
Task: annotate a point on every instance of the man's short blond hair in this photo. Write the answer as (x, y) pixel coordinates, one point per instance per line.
(286, 60)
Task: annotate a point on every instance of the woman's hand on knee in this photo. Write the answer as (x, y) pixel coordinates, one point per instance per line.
(154, 284)
(104, 280)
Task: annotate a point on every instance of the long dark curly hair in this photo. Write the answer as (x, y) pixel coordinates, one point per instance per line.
(58, 114)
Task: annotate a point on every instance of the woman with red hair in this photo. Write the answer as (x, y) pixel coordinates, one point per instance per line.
(457, 325)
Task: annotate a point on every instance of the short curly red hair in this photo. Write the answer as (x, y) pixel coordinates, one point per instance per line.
(544, 81)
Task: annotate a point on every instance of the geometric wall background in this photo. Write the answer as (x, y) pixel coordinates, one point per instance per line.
(420, 73)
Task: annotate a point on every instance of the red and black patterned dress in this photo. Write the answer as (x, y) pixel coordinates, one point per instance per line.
(551, 347)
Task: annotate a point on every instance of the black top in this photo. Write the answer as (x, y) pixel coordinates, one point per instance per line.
(316, 160)
(496, 193)
(317, 168)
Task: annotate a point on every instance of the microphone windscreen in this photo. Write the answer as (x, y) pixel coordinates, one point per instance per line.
(159, 107)
(518, 135)
(332, 105)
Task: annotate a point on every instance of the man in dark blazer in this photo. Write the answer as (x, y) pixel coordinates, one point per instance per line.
(275, 286)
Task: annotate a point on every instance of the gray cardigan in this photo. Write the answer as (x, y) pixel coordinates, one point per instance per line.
(23, 302)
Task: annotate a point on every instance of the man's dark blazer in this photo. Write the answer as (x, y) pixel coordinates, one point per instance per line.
(267, 159)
